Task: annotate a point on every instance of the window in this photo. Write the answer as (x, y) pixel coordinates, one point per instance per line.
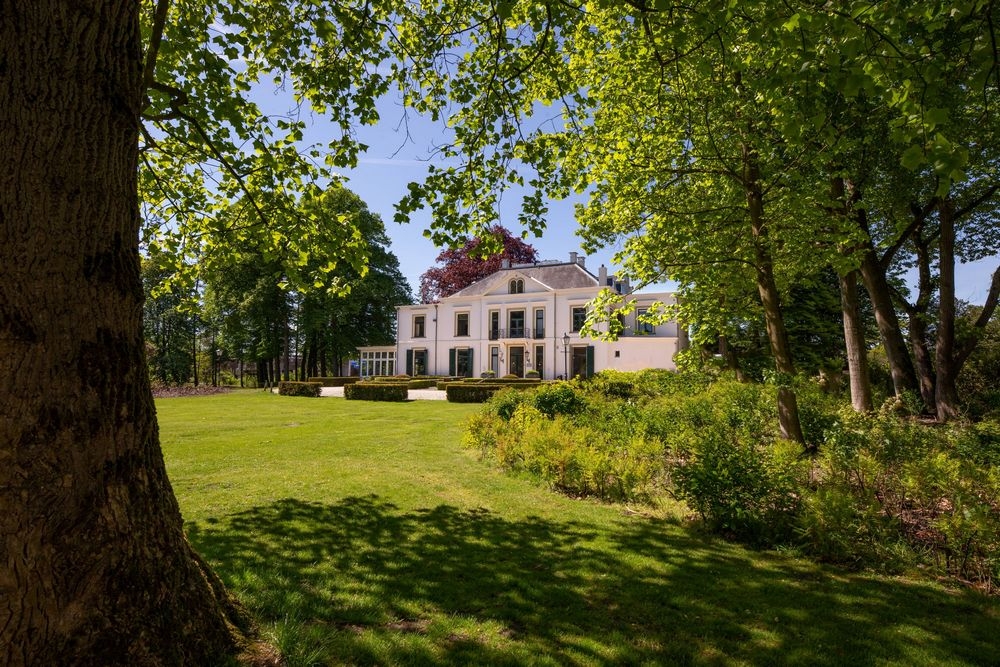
(579, 317)
(494, 325)
(460, 362)
(515, 321)
(644, 328)
(378, 363)
(418, 326)
(495, 360)
(516, 286)
(419, 362)
(539, 323)
(462, 324)
(540, 359)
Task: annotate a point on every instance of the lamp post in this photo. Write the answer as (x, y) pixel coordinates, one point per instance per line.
(566, 355)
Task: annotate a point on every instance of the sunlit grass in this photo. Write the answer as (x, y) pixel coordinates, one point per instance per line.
(362, 533)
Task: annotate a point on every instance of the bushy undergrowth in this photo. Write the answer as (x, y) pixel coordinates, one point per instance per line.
(880, 491)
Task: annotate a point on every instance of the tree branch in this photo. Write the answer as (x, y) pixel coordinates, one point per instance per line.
(148, 70)
(966, 348)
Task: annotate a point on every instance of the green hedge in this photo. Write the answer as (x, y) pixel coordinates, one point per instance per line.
(468, 392)
(334, 381)
(421, 384)
(311, 389)
(501, 381)
(376, 391)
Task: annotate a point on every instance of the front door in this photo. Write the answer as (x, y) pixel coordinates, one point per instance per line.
(578, 362)
(515, 364)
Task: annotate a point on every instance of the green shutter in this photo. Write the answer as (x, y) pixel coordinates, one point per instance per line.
(590, 360)
(409, 362)
(451, 362)
(468, 373)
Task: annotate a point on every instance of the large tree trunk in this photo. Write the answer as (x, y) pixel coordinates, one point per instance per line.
(873, 275)
(788, 409)
(94, 566)
(854, 341)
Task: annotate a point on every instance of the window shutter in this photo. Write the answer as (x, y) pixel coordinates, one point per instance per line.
(590, 360)
(451, 362)
(409, 362)
(469, 372)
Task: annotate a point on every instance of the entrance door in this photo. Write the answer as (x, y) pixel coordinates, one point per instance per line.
(582, 361)
(516, 361)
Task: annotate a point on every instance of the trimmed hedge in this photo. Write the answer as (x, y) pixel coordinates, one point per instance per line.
(334, 381)
(310, 389)
(502, 381)
(421, 384)
(376, 391)
(477, 392)
(468, 392)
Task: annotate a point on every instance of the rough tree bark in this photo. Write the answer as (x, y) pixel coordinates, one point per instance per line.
(94, 566)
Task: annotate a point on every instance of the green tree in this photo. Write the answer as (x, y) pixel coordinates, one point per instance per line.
(169, 327)
(722, 144)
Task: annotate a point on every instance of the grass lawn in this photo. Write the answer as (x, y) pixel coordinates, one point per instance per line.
(362, 533)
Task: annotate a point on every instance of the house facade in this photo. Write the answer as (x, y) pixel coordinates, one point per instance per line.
(525, 317)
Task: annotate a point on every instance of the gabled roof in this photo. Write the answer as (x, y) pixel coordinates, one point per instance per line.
(553, 276)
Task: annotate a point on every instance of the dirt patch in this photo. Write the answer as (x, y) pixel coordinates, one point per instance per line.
(163, 391)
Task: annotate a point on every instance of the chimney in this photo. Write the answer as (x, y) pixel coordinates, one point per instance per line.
(504, 263)
(602, 276)
(582, 261)
(572, 258)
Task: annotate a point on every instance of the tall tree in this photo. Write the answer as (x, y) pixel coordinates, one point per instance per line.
(95, 568)
(465, 264)
(683, 123)
(95, 565)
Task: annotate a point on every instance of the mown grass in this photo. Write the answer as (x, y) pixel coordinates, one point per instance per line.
(361, 533)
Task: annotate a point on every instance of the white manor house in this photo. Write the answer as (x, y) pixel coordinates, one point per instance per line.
(524, 317)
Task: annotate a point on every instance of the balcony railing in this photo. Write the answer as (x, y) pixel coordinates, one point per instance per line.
(515, 332)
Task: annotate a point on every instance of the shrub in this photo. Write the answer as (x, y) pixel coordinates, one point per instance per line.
(574, 459)
(740, 487)
(558, 399)
(376, 391)
(421, 384)
(505, 402)
(532, 374)
(311, 389)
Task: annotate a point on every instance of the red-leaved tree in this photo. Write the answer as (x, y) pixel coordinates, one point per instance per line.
(460, 267)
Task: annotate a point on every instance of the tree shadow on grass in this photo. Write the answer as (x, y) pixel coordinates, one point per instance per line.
(362, 582)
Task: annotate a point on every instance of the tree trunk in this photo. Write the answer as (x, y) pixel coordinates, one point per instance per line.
(854, 341)
(947, 370)
(855, 345)
(788, 410)
(873, 275)
(94, 566)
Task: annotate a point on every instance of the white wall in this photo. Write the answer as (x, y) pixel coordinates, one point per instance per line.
(634, 352)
